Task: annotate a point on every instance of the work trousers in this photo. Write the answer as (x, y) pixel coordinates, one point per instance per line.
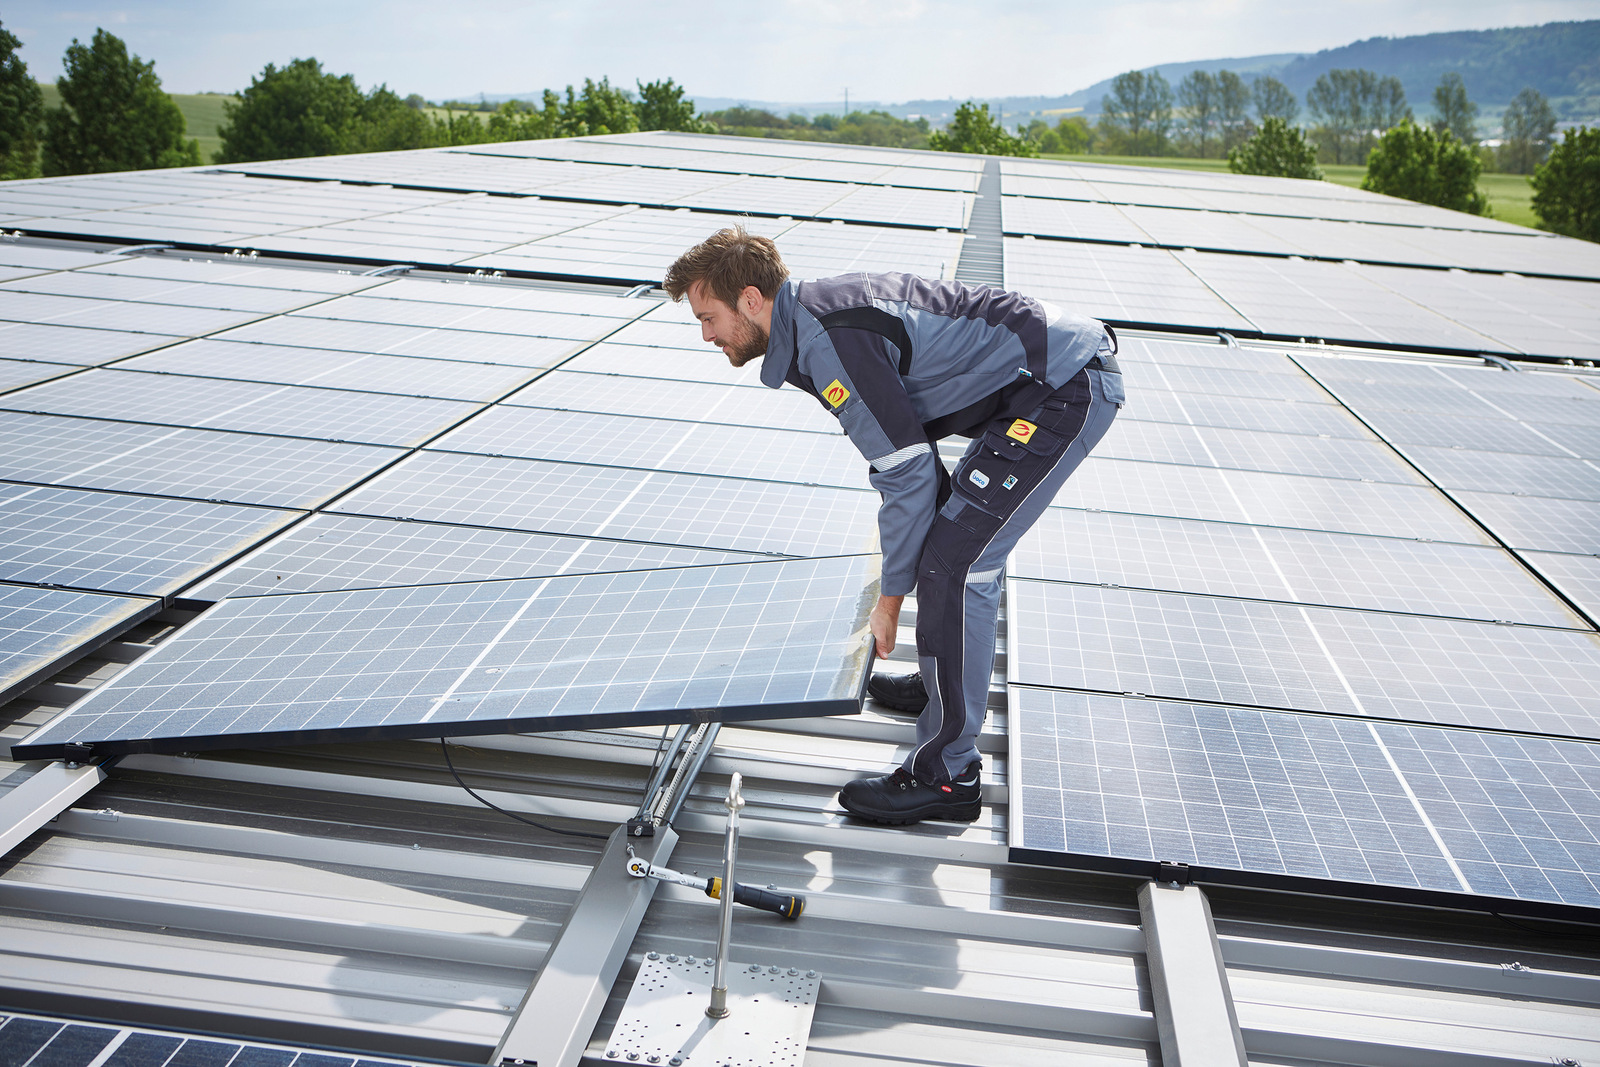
(1004, 482)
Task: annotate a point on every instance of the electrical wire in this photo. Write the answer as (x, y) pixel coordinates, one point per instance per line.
(448, 762)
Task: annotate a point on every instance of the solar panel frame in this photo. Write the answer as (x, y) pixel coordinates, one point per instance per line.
(42, 630)
(727, 643)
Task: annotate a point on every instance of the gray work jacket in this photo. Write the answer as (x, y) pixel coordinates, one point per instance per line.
(902, 361)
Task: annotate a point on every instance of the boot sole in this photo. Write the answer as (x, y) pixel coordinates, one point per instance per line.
(898, 705)
(949, 812)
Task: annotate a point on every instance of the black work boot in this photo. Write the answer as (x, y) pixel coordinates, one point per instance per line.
(899, 799)
(902, 692)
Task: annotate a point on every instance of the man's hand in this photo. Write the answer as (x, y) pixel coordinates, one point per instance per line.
(885, 622)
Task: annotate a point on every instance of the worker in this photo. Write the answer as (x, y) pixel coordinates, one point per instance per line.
(901, 362)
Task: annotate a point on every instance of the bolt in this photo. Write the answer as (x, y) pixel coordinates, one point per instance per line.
(633, 1055)
(652, 955)
(793, 971)
(772, 970)
(611, 1053)
(676, 1061)
(653, 1058)
(672, 957)
(754, 967)
(811, 974)
(688, 959)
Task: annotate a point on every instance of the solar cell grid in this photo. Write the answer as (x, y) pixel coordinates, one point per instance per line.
(117, 315)
(1271, 499)
(702, 364)
(1142, 285)
(1223, 559)
(454, 317)
(351, 552)
(1164, 644)
(204, 464)
(681, 509)
(1537, 522)
(1208, 229)
(234, 272)
(504, 295)
(1543, 476)
(662, 444)
(762, 640)
(40, 629)
(1229, 789)
(1490, 434)
(16, 373)
(1147, 349)
(419, 341)
(444, 379)
(1068, 218)
(1190, 379)
(1476, 674)
(121, 544)
(1515, 812)
(1576, 576)
(46, 257)
(668, 398)
(1241, 413)
(297, 411)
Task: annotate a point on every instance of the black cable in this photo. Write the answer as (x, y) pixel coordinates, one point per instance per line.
(448, 762)
(1543, 932)
(661, 746)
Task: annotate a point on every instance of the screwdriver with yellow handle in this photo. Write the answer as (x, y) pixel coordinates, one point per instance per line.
(784, 905)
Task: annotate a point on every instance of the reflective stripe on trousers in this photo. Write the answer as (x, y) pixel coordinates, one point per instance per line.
(1005, 480)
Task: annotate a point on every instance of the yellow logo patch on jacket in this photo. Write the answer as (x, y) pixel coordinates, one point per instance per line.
(1021, 430)
(836, 394)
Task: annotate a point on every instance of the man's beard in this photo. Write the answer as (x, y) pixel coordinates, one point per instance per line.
(749, 341)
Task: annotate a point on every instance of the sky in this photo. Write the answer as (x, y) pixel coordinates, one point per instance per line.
(781, 50)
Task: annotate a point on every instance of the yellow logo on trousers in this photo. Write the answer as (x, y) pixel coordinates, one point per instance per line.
(1021, 430)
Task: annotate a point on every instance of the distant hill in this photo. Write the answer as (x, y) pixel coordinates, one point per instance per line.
(1560, 59)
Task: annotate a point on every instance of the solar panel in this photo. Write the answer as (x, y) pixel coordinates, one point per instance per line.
(177, 400)
(1269, 563)
(73, 344)
(117, 314)
(1140, 285)
(1241, 413)
(1503, 472)
(1187, 378)
(1578, 577)
(204, 464)
(1171, 352)
(667, 398)
(729, 642)
(1247, 450)
(16, 373)
(281, 364)
(662, 444)
(118, 543)
(383, 339)
(38, 1041)
(1404, 667)
(42, 629)
(1230, 790)
(166, 291)
(679, 509)
(352, 552)
(701, 363)
(1333, 504)
(1240, 793)
(1537, 522)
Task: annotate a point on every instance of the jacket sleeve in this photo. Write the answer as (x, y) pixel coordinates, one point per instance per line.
(876, 412)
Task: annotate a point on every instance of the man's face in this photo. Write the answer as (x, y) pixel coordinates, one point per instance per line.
(731, 329)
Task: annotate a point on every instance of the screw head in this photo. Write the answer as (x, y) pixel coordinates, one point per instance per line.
(611, 1053)
(773, 970)
(811, 974)
(793, 971)
(672, 957)
(688, 959)
(652, 955)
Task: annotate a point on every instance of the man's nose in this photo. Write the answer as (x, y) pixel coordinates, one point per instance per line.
(706, 334)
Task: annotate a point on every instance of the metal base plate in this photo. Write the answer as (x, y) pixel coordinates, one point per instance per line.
(665, 1022)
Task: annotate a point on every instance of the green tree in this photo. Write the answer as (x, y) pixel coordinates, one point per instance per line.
(517, 120)
(1278, 150)
(21, 113)
(1413, 162)
(1351, 107)
(1233, 102)
(386, 123)
(975, 130)
(113, 115)
(662, 107)
(1273, 100)
(1528, 129)
(1566, 188)
(1197, 97)
(1136, 116)
(1453, 111)
(286, 113)
(600, 109)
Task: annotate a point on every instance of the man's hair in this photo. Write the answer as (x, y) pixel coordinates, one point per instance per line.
(727, 262)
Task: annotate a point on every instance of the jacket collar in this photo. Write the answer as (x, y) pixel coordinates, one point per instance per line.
(781, 346)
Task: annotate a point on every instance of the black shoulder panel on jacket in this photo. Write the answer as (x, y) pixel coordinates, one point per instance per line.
(891, 327)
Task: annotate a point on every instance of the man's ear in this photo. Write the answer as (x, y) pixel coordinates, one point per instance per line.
(750, 299)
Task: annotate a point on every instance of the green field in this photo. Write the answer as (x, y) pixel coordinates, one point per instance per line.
(1510, 197)
(202, 114)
